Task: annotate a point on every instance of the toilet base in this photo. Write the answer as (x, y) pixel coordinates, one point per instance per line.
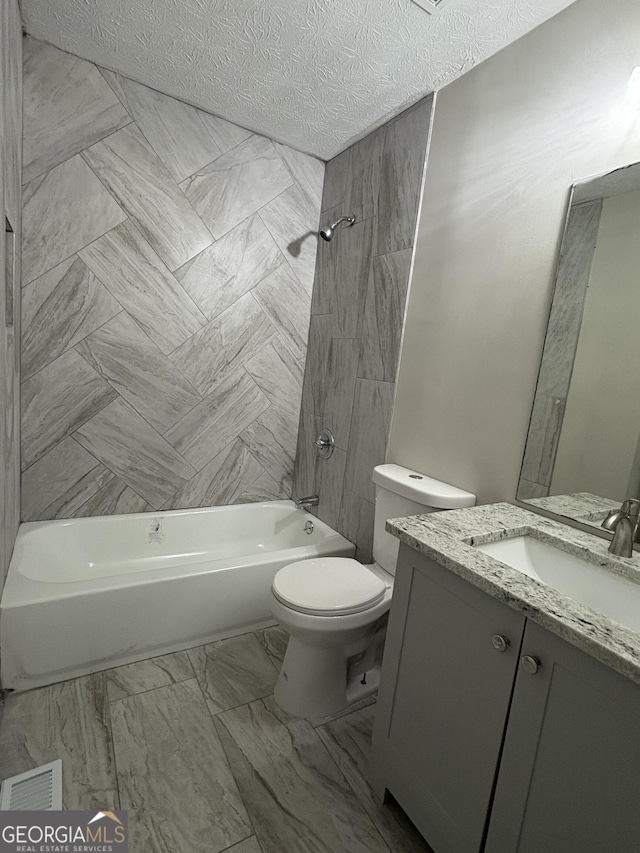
(313, 681)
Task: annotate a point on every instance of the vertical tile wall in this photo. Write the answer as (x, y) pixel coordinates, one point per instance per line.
(168, 269)
(10, 202)
(357, 313)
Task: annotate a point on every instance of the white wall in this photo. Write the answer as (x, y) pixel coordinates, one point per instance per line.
(601, 424)
(509, 138)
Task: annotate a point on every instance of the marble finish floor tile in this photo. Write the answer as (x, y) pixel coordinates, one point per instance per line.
(57, 400)
(123, 355)
(348, 740)
(369, 431)
(274, 641)
(292, 220)
(222, 481)
(129, 268)
(235, 402)
(136, 177)
(233, 672)
(61, 477)
(135, 452)
(231, 267)
(297, 798)
(68, 721)
(114, 498)
(225, 344)
(63, 210)
(174, 129)
(384, 315)
(288, 305)
(237, 184)
(173, 775)
(59, 309)
(67, 107)
(148, 675)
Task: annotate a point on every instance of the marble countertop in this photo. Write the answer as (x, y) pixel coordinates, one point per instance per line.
(448, 537)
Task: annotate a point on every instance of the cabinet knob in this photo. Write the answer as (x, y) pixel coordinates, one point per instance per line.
(530, 664)
(500, 643)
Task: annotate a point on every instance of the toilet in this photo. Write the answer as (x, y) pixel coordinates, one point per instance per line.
(335, 609)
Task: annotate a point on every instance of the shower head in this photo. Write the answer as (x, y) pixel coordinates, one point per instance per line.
(328, 232)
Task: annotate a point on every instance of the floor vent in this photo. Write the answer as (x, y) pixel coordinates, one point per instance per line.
(37, 790)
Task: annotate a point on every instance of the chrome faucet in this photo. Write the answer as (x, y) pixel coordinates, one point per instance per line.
(302, 503)
(625, 522)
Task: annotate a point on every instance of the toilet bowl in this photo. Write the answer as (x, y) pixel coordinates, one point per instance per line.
(335, 609)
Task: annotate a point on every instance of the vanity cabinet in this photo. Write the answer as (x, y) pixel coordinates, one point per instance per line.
(530, 747)
(444, 701)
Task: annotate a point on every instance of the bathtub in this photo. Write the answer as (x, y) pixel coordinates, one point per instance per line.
(87, 594)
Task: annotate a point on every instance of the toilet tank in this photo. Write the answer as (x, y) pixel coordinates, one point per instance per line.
(400, 491)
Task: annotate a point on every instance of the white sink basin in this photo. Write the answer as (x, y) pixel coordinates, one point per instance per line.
(614, 595)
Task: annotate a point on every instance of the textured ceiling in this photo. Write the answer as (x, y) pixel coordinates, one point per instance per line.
(315, 74)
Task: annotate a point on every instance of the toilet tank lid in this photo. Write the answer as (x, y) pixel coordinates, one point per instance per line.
(420, 488)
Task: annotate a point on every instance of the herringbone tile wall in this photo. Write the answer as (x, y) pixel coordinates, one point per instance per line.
(168, 268)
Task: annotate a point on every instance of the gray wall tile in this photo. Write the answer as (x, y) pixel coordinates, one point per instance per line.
(123, 355)
(233, 404)
(59, 309)
(135, 452)
(402, 168)
(59, 476)
(357, 314)
(127, 266)
(67, 107)
(369, 430)
(174, 129)
(340, 383)
(237, 184)
(63, 210)
(134, 174)
(57, 400)
(198, 340)
(288, 305)
(384, 315)
(225, 344)
(364, 175)
(113, 498)
(231, 267)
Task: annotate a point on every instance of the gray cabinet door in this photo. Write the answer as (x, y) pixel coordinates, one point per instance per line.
(569, 779)
(443, 703)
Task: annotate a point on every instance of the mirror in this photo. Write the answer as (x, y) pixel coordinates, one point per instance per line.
(582, 455)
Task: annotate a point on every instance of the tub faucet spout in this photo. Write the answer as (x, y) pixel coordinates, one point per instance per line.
(303, 503)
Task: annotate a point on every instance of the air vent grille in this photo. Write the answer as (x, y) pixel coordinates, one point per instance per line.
(39, 789)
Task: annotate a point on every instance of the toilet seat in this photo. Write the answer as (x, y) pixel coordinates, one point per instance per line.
(329, 586)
